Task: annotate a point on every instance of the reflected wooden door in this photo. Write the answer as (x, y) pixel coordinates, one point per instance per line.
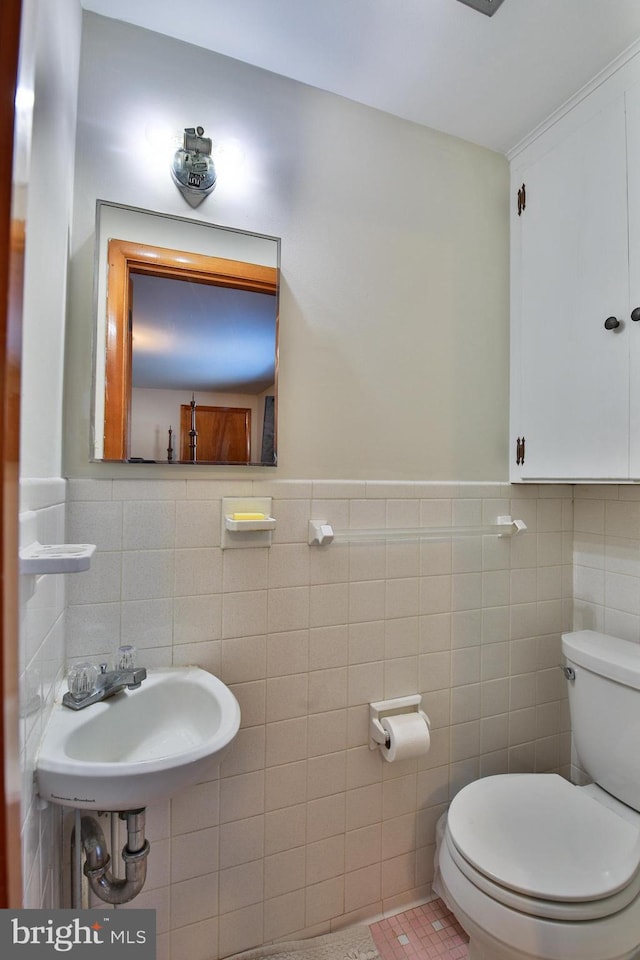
(224, 434)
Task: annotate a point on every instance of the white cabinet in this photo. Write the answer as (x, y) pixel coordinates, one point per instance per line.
(575, 367)
(632, 101)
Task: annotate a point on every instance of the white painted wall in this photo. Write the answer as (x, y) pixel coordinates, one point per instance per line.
(50, 194)
(52, 44)
(394, 307)
(394, 311)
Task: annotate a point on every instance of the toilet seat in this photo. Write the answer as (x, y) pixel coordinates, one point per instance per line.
(539, 845)
(549, 909)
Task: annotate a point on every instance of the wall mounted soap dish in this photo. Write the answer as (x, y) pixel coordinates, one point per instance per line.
(56, 558)
(242, 523)
(246, 522)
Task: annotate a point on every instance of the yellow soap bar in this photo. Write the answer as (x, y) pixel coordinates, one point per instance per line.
(248, 516)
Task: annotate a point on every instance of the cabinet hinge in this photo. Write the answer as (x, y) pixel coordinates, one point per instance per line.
(520, 451)
(522, 199)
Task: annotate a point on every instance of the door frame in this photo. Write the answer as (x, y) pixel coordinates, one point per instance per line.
(12, 236)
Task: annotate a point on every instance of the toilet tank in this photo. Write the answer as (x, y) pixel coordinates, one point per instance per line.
(604, 702)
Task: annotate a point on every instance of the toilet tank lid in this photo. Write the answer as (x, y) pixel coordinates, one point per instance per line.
(607, 656)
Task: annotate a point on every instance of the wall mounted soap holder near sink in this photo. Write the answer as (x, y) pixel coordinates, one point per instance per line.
(40, 558)
(246, 522)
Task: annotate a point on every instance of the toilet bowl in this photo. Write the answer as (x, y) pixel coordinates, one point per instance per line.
(535, 868)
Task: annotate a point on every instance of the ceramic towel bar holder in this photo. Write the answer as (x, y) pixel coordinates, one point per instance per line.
(321, 532)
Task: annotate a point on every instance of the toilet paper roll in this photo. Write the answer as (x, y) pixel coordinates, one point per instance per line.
(408, 735)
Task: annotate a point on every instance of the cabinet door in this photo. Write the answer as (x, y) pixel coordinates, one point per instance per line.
(572, 372)
(633, 167)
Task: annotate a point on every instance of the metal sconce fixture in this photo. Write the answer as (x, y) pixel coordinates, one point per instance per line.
(192, 168)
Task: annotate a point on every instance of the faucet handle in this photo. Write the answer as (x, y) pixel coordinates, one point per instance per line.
(82, 679)
(127, 657)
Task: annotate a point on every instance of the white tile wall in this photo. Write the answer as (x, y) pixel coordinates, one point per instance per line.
(305, 828)
(606, 572)
(42, 656)
(607, 560)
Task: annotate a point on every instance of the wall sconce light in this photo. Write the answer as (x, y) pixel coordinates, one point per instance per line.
(192, 168)
(487, 7)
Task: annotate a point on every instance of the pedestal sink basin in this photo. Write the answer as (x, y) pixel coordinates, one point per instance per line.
(138, 746)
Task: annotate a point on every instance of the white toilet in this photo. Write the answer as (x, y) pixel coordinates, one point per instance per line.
(535, 867)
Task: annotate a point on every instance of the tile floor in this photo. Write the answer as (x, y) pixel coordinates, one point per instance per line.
(427, 932)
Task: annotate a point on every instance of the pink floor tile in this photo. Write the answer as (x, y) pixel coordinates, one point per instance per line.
(428, 932)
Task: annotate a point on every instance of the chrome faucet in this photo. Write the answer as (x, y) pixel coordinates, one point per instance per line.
(87, 685)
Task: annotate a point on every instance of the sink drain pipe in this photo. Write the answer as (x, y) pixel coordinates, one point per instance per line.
(96, 868)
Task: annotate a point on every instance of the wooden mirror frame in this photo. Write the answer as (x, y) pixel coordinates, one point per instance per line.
(126, 257)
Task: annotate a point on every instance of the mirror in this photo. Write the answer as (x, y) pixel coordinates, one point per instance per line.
(186, 338)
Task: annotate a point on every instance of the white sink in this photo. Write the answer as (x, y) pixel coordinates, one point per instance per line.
(140, 745)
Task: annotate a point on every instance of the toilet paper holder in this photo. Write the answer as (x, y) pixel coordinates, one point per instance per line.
(390, 708)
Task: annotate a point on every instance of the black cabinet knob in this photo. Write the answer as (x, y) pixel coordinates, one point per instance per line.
(635, 314)
(612, 323)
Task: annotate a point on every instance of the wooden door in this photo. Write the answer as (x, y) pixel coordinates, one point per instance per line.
(12, 236)
(223, 434)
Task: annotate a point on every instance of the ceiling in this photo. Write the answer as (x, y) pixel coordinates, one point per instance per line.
(490, 80)
(196, 336)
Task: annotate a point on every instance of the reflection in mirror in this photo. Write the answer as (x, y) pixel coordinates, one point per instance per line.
(187, 341)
